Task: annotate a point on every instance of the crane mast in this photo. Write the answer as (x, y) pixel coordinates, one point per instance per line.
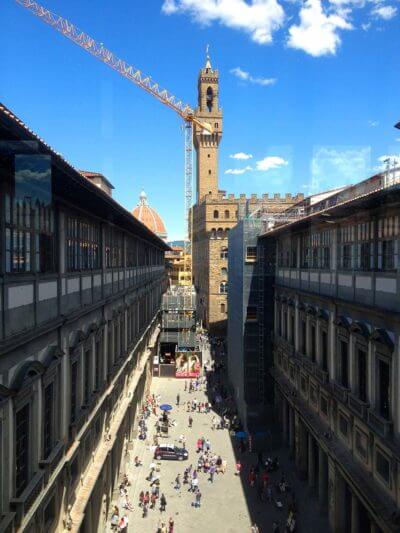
(137, 77)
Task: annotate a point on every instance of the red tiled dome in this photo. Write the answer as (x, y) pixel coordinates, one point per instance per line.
(149, 217)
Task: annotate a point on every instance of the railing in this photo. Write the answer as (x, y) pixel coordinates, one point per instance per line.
(358, 406)
(50, 463)
(24, 502)
(379, 424)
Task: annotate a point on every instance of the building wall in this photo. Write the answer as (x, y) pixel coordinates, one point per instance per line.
(78, 325)
(336, 357)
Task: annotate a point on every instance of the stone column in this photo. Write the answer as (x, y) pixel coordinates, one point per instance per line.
(311, 461)
(322, 476)
(336, 510)
(355, 516)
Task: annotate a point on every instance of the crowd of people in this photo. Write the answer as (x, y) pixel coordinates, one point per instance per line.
(209, 463)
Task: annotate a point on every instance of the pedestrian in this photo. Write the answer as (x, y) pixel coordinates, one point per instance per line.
(141, 499)
(190, 421)
(170, 525)
(238, 468)
(153, 500)
(145, 510)
(163, 502)
(199, 445)
(146, 498)
(254, 528)
(197, 499)
(162, 528)
(123, 524)
(275, 528)
(212, 473)
(178, 482)
(177, 399)
(115, 518)
(185, 385)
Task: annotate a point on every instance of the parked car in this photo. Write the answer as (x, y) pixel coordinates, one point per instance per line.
(170, 451)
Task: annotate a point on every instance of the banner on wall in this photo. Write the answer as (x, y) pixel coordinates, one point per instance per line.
(187, 364)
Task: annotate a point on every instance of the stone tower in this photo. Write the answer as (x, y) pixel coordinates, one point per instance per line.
(207, 144)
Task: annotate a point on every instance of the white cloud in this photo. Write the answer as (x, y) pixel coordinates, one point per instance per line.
(238, 171)
(317, 33)
(373, 123)
(333, 167)
(246, 76)
(384, 12)
(241, 155)
(257, 18)
(271, 162)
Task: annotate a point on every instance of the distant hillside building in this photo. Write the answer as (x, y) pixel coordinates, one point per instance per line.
(149, 217)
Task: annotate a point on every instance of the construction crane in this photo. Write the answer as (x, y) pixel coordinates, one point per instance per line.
(143, 81)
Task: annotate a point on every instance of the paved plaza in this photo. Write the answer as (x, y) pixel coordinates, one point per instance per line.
(229, 505)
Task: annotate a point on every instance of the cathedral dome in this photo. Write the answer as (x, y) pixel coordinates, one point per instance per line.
(149, 217)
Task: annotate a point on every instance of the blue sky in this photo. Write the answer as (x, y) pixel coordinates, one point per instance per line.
(309, 89)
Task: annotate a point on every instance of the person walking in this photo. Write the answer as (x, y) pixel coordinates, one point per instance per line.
(197, 499)
(115, 518)
(123, 524)
(178, 482)
(170, 525)
(212, 473)
(254, 528)
(238, 468)
(178, 399)
(190, 421)
(153, 501)
(163, 502)
(141, 499)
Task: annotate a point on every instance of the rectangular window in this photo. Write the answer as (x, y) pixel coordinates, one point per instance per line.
(48, 420)
(98, 366)
(384, 388)
(29, 214)
(362, 374)
(22, 446)
(324, 350)
(303, 337)
(313, 395)
(361, 441)
(343, 426)
(365, 256)
(387, 255)
(383, 466)
(347, 256)
(344, 363)
(74, 390)
(251, 253)
(83, 244)
(315, 263)
(313, 339)
(326, 258)
(86, 378)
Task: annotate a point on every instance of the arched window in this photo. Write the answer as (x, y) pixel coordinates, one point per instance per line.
(216, 214)
(223, 309)
(213, 233)
(220, 233)
(209, 99)
(224, 253)
(224, 272)
(227, 214)
(223, 287)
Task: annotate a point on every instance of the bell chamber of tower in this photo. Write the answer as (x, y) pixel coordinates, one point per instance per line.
(206, 144)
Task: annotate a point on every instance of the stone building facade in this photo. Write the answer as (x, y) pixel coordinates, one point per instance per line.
(215, 212)
(336, 355)
(81, 282)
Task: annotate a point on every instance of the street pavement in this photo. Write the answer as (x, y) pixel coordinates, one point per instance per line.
(229, 505)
